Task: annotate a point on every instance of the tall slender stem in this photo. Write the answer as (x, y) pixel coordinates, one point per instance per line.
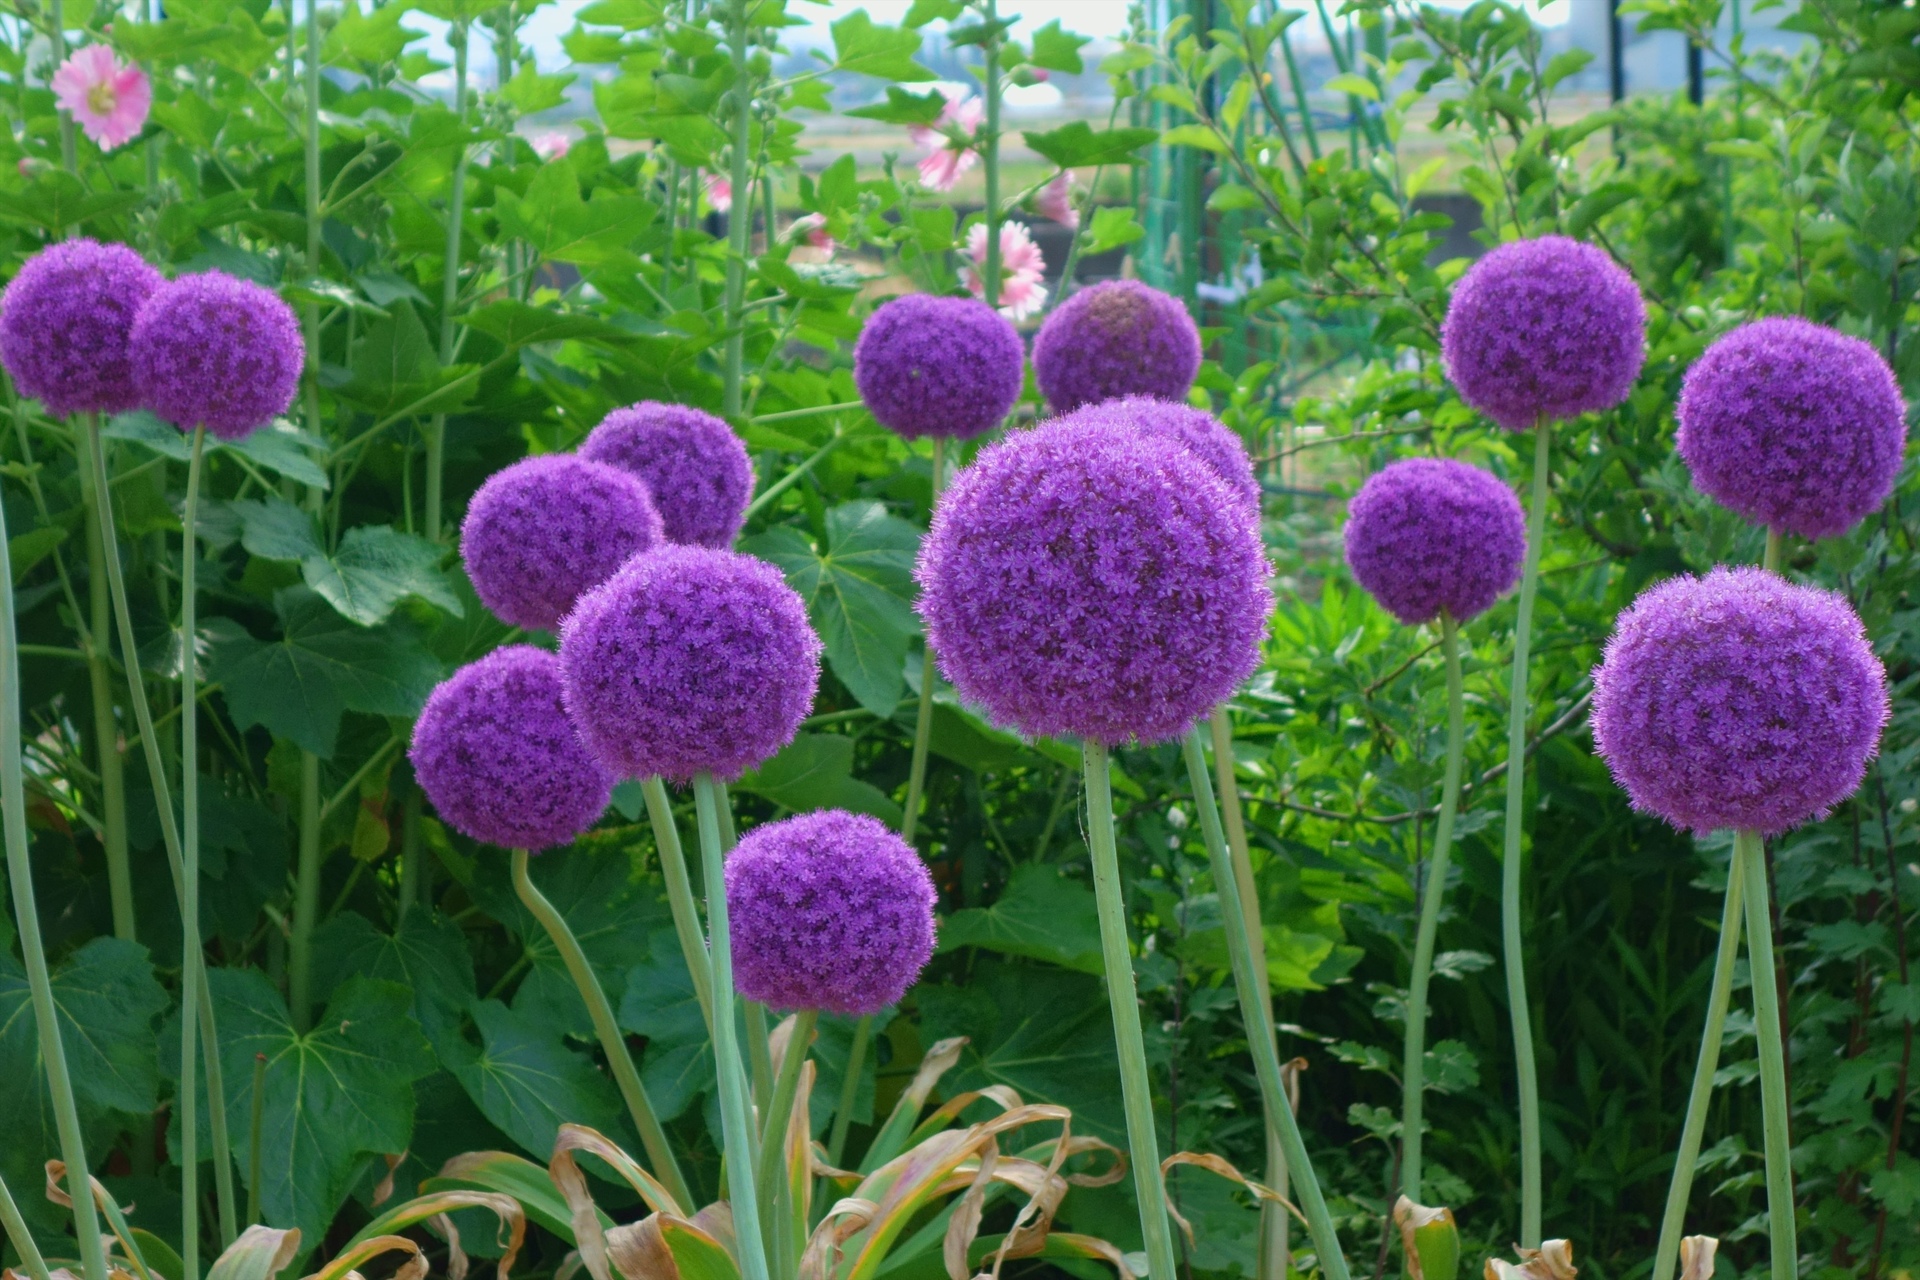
(1770, 559)
(773, 1127)
(1299, 92)
(449, 281)
(254, 1132)
(923, 722)
(57, 37)
(191, 955)
(410, 851)
(1413, 1069)
(739, 219)
(106, 730)
(1266, 1057)
(849, 1090)
(736, 1122)
(16, 1228)
(1673, 1222)
(619, 1060)
(306, 896)
(13, 817)
(990, 149)
(686, 913)
(1774, 1103)
(1136, 1095)
(1517, 1008)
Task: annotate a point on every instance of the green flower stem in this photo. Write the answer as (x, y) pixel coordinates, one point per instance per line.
(1517, 1007)
(169, 833)
(795, 476)
(773, 1127)
(410, 851)
(1774, 1103)
(923, 723)
(739, 225)
(990, 151)
(16, 1229)
(736, 1121)
(1143, 1143)
(1770, 560)
(306, 896)
(686, 914)
(450, 278)
(258, 1127)
(1413, 1070)
(1266, 1057)
(106, 732)
(192, 958)
(849, 1090)
(1673, 1222)
(759, 1057)
(619, 1060)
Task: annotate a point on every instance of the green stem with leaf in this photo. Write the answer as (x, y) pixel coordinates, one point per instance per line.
(106, 729)
(1775, 1115)
(686, 913)
(771, 1175)
(192, 958)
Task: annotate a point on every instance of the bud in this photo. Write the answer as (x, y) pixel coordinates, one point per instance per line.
(1430, 1238)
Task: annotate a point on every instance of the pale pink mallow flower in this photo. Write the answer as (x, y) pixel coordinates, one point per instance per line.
(1055, 201)
(1022, 268)
(811, 230)
(109, 98)
(552, 146)
(949, 140)
(719, 193)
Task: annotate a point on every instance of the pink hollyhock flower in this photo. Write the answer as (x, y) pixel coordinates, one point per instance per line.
(108, 98)
(1055, 201)
(812, 228)
(1022, 268)
(949, 140)
(719, 193)
(552, 146)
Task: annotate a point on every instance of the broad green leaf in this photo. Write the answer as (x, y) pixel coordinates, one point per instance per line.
(1077, 145)
(630, 15)
(375, 569)
(678, 1075)
(518, 1177)
(555, 220)
(528, 1083)
(395, 369)
(925, 11)
(57, 200)
(1113, 226)
(1040, 914)
(659, 1002)
(28, 549)
(697, 1255)
(862, 46)
(1597, 203)
(902, 107)
(276, 529)
(815, 771)
(521, 324)
(428, 955)
(530, 92)
(375, 37)
(285, 450)
(1058, 50)
(1358, 86)
(1195, 135)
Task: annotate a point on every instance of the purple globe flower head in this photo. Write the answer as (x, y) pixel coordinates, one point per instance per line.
(1738, 700)
(1546, 328)
(545, 529)
(1081, 580)
(1429, 534)
(830, 911)
(1116, 338)
(499, 759)
(65, 321)
(693, 464)
(216, 352)
(689, 660)
(928, 366)
(1195, 430)
(1794, 426)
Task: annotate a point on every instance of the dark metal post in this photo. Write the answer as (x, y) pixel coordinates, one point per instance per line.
(1616, 52)
(1696, 74)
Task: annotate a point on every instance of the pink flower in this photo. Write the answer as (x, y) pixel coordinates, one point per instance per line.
(1056, 201)
(719, 193)
(551, 146)
(949, 140)
(812, 228)
(108, 97)
(1022, 269)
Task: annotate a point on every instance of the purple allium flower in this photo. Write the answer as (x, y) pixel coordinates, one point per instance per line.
(929, 366)
(1116, 338)
(1427, 534)
(694, 466)
(497, 756)
(1195, 430)
(1544, 328)
(1080, 580)
(545, 529)
(64, 323)
(689, 660)
(829, 911)
(216, 352)
(1794, 426)
(1738, 700)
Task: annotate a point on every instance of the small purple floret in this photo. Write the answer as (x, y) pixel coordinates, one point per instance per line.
(545, 529)
(499, 759)
(1430, 534)
(1080, 580)
(1738, 700)
(928, 366)
(1195, 430)
(213, 351)
(65, 323)
(830, 911)
(1794, 426)
(692, 463)
(1117, 338)
(687, 661)
(1546, 328)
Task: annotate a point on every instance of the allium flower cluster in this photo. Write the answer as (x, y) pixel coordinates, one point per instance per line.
(212, 351)
(1546, 328)
(1022, 268)
(1081, 580)
(499, 759)
(692, 463)
(65, 321)
(1195, 430)
(1794, 426)
(950, 141)
(928, 366)
(689, 660)
(1430, 534)
(1738, 700)
(545, 529)
(108, 98)
(829, 911)
(1116, 338)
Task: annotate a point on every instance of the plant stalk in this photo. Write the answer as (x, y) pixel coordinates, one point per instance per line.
(13, 817)
(736, 1120)
(16, 1228)
(1774, 1103)
(1770, 560)
(990, 154)
(1143, 1142)
(192, 957)
(739, 228)
(450, 282)
(253, 1136)
(686, 913)
(106, 729)
(923, 722)
(619, 1060)
(773, 1127)
(1518, 1010)
(306, 896)
(1673, 1221)
(849, 1090)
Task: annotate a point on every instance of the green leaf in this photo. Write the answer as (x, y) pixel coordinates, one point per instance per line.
(528, 1084)
(375, 569)
(57, 200)
(1113, 226)
(1198, 136)
(284, 449)
(1597, 203)
(860, 593)
(660, 1004)
(1451, 1067)
(1357, 86)
(275, 529)
(1040, 914)
(902, 107)
(321, 666)
(28, 549)
(1058, 50)
(530, 93)
(428, 955)
(862, 46)
(395, 369)
(376, 37)
(925, 11)
(555, 220)
(1077, 145)
(815, 771)
(1563, 65)
(521, 324)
